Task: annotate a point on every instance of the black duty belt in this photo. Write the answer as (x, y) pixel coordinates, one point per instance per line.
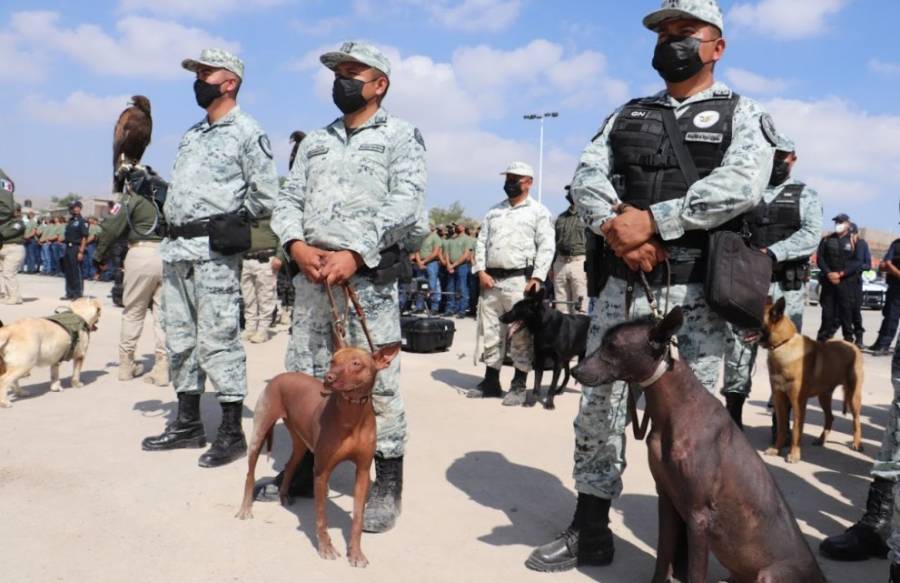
(681, 273)
(498, 273)
(261, 256)
(190, 230)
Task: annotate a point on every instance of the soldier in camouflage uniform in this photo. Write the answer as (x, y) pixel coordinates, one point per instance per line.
(224, 164)
(356, 191)
(787, 225)
(631, 160)
(513, 254)
(138, 219)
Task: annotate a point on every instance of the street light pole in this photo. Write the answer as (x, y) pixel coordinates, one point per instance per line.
(541, 116)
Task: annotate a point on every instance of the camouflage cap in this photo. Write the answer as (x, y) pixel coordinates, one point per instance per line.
(357, 53)
(785, 144)
(217, 59)
(519, 169)
(705, 10)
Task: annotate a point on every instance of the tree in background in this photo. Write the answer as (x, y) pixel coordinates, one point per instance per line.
(65, 201)
(455, 213)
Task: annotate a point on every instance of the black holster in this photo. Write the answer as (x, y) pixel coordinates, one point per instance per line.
(390, 268)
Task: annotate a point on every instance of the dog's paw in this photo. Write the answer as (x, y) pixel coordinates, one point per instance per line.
(5, 404)
(77, 384)
(357, 559)
(549, 406)
(855, 447)
(285, 500)
(531, 403)
(244, 513)
(327, 552)
(792, 458)
(771, 451)
(55, 387)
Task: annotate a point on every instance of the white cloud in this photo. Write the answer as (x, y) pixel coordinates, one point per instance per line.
(323, 27)
(78, 109)
(200, 9)
(787, 19)
(748, 82)
(19, 64)
(142, 47)
(884, 67)
(846, 153)
(477, 15)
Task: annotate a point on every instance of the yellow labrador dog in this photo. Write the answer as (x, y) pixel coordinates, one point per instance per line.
(47, 341)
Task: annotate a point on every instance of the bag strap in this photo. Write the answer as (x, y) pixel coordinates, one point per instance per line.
(676, 139)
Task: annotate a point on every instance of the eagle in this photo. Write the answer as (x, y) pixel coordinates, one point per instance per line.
(131, 136)
(296, 138)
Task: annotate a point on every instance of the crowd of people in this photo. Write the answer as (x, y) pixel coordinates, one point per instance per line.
(352, 211)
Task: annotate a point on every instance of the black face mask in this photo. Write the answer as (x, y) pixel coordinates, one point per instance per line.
(206, 93)
(512, 188)
(678, 59)
(781, 171)
(347, 94)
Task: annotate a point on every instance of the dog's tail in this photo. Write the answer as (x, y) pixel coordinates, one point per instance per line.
(854, 384)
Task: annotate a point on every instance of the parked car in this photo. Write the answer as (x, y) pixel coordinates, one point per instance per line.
(874, 293)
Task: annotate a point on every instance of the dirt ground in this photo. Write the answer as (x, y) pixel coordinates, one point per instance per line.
(80, 501)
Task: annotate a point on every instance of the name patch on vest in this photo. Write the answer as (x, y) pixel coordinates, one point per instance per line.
(708, 137)
(706, 119)
(372, 148)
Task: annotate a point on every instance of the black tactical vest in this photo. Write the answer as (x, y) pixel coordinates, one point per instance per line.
(645, 169)
(777, 220)
(838, 251)
(896, 259)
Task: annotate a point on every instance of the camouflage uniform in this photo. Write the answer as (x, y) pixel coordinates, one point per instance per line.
(362, 192)
(740, 355)
(511, 237)
(732, 189)
(219, 168)
(887, 462)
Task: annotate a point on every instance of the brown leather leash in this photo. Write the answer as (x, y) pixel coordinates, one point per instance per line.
(340, 321)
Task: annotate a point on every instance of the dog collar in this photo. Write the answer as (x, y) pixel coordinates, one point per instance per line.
(355, 400)
(664, 365)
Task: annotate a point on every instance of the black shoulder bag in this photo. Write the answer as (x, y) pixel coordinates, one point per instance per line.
(737, 276)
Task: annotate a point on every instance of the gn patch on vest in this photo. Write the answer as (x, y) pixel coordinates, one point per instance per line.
(372, 148)
(638, 114)
(708, 137)
(265, 146)
(768, 128)
(317, 151)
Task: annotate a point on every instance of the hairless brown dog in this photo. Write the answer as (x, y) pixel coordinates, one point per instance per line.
(335, 420)
(709, 478)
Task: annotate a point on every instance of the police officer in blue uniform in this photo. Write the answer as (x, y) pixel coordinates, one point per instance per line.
(840, 263)
(75, 240)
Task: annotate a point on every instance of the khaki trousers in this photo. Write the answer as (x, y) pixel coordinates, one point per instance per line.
(259, 289)
(12, 255)
(142, 292)
(570, 283)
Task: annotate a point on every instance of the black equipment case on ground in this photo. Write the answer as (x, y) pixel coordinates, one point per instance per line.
(426, 334)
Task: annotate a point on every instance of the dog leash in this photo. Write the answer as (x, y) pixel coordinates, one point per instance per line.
(340, 321)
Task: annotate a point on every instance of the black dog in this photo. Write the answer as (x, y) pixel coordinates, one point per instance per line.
(709, 478)
(558, 338)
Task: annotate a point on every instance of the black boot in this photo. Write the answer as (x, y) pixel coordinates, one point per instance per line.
(587, 542)
(489, 387)
(516, 395)
(301, 484)
(859, 341)
(868, 537)
(230, 443)
(185, 431)
(383, 505)
(895, 573)
(734, 402)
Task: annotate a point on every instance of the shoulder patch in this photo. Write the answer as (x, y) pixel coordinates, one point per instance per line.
(768, 129)
(317, 151)
(7, 185)
(115, 209)
(265, 145)
(418, 136)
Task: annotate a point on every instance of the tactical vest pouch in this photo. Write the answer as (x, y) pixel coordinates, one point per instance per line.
(390, 268)
(737, 279)
(595, 264)
(262, 238)
(229, 233)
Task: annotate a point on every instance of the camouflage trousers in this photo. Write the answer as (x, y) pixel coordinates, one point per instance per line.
(887, 461)
(603, 411)
(310, 348)
(201, 318)
(740, 355)
(494, 303)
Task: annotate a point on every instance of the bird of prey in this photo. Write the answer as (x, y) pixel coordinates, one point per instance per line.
(296, 138)
(131, 136)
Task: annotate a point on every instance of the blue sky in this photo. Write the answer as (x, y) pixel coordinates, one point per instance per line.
(464, 72)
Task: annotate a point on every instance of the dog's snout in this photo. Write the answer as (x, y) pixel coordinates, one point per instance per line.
(330, 377)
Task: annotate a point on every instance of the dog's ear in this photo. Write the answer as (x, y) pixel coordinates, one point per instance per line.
(385, 355)
(778, 309)
(667, 327)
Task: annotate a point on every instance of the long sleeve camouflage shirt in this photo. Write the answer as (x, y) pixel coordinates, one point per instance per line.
(514, 237)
